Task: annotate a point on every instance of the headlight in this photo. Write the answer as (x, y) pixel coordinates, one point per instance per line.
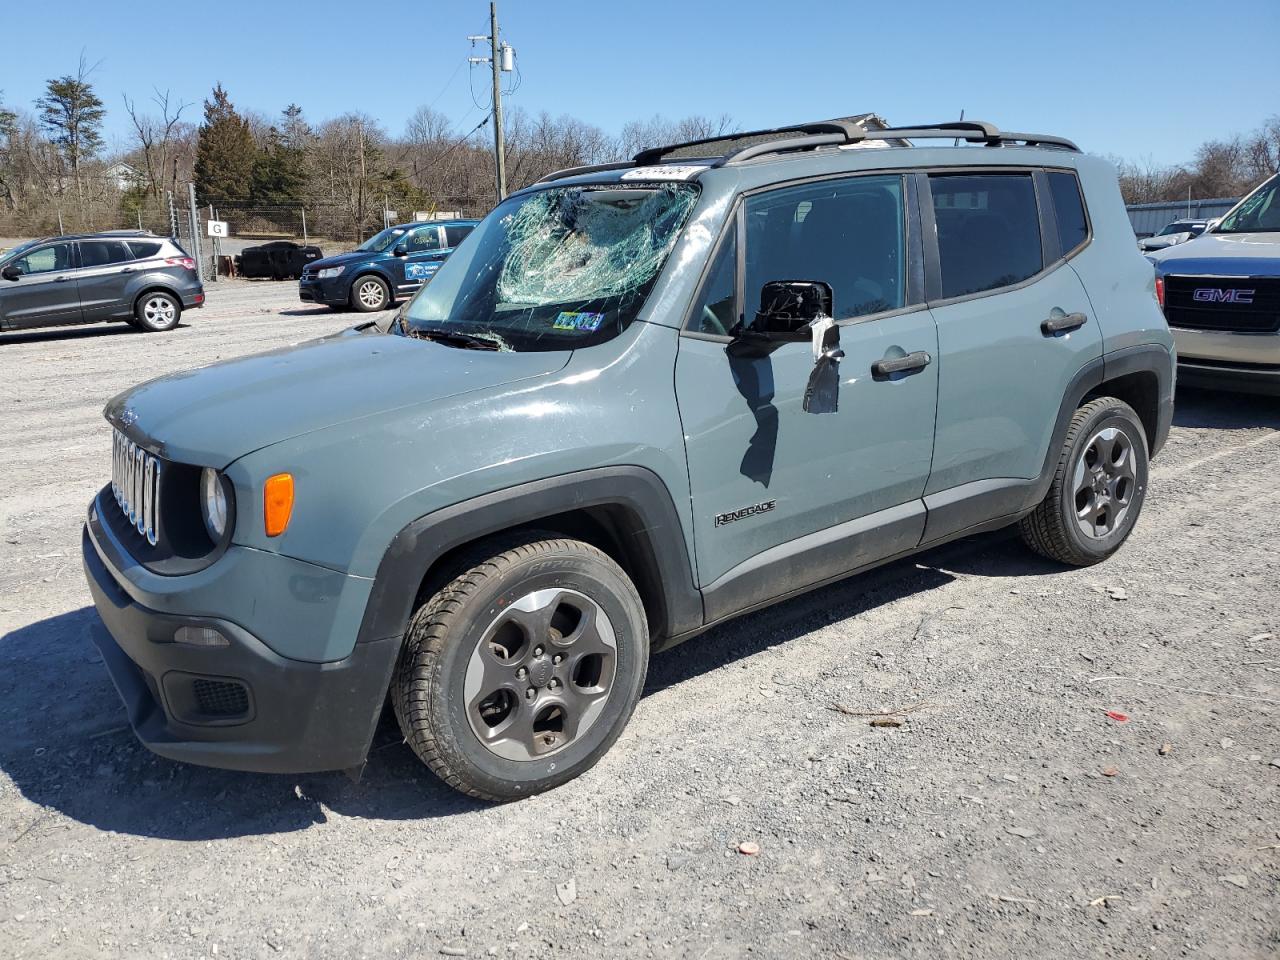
(328, 272)
(213, 504)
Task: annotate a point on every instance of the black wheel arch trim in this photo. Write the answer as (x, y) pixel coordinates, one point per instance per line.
(646, 522)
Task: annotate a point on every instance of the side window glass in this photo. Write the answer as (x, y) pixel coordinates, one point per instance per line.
(143, 250)
(848, 233)
(56, 256)
(713, 312)
(988, 231)
(424, 239)
(101, 253)
(1073, 228)
(455, 235)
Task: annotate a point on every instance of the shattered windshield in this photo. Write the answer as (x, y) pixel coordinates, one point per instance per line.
(381, 240)
(559, 269)
(1257, 213)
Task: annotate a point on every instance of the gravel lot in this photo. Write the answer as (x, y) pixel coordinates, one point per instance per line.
(1009, 815)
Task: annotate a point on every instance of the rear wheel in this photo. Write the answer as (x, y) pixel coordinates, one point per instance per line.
(369, 294)
(520, 672)
(1098, 488)
(157, 311)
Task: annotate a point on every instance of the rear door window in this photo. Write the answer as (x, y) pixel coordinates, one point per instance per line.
(988, 231)
(455, 235)
(102, 253)
(1073, 227)
(847, 233)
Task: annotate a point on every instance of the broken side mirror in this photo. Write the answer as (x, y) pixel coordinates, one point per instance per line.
(788, 307)
(11, 272)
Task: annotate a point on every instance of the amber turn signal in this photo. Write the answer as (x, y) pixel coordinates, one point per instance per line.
(277, 503)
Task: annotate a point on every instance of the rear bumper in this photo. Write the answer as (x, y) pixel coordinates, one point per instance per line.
(1236, 378)
(240, 706)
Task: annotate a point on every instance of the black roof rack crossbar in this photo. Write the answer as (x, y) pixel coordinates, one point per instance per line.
(844, 128)
(585, 168)
(971, 131)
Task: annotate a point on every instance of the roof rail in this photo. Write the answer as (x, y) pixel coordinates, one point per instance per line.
(823, 133)
(585, 168)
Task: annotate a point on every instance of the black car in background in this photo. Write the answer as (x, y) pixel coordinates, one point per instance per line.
(88, 278)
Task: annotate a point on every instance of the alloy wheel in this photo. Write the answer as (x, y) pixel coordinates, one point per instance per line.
(159, 311)
(541, 674)
(371, 294)
(1104, 482)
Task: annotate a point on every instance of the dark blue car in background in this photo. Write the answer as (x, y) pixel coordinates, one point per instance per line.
(387, 267)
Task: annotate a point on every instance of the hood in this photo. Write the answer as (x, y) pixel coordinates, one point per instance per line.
(1222, 255)
(217, 414)
(343, 259)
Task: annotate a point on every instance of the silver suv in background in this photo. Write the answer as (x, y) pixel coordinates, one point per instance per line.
(89, 278)
(1221, 297)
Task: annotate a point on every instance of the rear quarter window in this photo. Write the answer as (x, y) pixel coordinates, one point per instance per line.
(1068, 206)
(455, 235)
(143, 250)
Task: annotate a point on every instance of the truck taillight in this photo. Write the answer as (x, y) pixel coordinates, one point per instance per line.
(181, 262)
(1160, 291)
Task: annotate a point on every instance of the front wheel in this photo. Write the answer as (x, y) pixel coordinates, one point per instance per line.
(520, 672)
(157, 311)
(1098, 488)
(369, 294)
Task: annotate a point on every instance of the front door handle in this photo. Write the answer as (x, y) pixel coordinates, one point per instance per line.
(1061, 323)
(883, 369)
(61, 279)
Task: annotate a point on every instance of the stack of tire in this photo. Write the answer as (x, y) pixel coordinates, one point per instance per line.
(278, 260)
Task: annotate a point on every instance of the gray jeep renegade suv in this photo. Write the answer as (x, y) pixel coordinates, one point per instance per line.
(640, 399)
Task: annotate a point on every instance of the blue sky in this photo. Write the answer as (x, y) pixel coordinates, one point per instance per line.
(1132, 79)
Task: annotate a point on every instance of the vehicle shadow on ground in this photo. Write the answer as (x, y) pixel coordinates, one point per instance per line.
(66, 746)
(312, 312)
(67, 334)
(1219, 410)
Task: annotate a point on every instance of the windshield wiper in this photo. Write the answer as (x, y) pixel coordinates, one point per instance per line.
(465, 341)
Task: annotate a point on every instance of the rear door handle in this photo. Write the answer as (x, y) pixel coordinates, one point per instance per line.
(883, 369)
(61, 279)
(1063, 323)
(127, 269)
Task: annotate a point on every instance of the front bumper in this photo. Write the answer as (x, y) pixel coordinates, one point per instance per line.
(1235, 378)
(240, 706)
(332, 291)
(1221, 360)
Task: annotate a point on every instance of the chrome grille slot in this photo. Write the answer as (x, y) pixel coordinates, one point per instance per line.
(135, 483)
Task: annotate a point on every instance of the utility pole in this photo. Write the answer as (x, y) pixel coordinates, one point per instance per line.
(502, 59)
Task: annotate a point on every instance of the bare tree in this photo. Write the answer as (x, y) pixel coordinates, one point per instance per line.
(157, 137)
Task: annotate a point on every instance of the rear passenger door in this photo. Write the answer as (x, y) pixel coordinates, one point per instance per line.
(45, 293)
(104, 271)
(1014, 327)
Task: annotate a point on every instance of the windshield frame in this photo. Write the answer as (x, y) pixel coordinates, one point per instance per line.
(472, 280)
(1271, 184)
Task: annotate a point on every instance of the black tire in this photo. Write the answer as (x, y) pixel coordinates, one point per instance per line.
(156, 311)
(1113, 491)
(369, 294)
(442, 653)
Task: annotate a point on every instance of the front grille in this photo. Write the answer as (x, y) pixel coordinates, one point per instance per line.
(135, 483)
(218, 698)
(1228, 304)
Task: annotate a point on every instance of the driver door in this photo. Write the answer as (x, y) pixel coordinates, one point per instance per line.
(424, 252)
(784, 498)
(45, 294)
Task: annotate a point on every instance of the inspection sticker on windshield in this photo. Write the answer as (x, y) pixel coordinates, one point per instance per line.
(664, 172)
(574, 320)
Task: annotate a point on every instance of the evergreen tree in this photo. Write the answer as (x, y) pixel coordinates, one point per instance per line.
(72, 115)
(225, 152)
(280, 170)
